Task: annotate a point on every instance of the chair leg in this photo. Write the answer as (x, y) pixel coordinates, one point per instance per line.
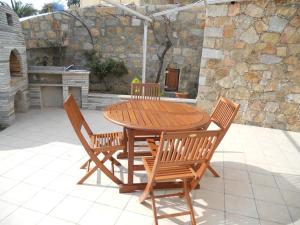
(146, 192)
(112, 168)
(84, 165)
(213, 171)
(187, 196)
(154, 208)
(115, 162)
(87, 175)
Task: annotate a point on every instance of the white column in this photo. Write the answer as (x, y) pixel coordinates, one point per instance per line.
(144, 51)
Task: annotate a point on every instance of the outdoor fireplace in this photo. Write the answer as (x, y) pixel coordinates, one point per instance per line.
(13, 67)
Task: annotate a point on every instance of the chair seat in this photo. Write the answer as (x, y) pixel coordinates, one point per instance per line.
(107, 140)
(168, 172)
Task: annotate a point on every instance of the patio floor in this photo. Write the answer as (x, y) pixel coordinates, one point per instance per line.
(39, 167)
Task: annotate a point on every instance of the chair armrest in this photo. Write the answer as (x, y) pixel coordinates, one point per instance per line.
(153, 147)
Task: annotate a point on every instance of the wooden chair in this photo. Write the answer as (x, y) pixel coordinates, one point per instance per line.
(95, 145)
(223, 116)
(145, 91)
(180, 155)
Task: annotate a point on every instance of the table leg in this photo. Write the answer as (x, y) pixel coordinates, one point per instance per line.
(130, 136)
(124, 153)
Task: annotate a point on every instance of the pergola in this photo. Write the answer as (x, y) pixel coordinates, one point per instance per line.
(150, 19)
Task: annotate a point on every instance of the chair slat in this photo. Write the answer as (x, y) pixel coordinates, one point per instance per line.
(145, 91)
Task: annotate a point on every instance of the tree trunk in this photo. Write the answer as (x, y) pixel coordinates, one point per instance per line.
(162, 59)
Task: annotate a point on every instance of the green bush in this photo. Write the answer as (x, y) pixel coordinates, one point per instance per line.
(103, 67)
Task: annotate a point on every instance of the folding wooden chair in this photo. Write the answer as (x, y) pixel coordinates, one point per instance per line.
(223, 116)
(184, 156)
(145, 91)
(95, 145)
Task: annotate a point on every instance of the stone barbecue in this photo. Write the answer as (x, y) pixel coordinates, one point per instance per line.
(13, 67)
(50, 85)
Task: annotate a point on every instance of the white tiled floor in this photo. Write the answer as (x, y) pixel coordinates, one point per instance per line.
(39, 167)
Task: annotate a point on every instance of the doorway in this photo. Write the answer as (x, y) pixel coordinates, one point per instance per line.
(172, 79)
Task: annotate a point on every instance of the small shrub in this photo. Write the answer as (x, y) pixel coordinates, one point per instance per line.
(104, 68)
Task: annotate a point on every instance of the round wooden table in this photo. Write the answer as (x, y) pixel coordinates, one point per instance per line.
(140, 117)
(156, 115)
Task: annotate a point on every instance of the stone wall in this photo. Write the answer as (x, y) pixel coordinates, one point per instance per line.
(251, 54)
(86, 3)
(118, 35)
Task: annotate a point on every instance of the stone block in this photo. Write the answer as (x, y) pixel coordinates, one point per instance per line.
(292, 60)
(213, 32)
(177, 51)
(252, 77)
(87, 46)
(269, 59)
(295, 22)
(186, 16)
(270, 38)
(243, 22)
(228, 31)
(288, 108)
(226, 82)
(254, 11)
(64, 27)
(239, 93)
(250, 36)
(217, 10)
(202, 80)
(281, 51)
(242, 68)
(258, 67)
(270, 118)
(260, 26)
(277, 24)
(197, 32)
(271, 107)
(239, 44)
(234, 9)
(136, 22)
(188, 52)
(290, 36)
(286, 11)
(212, 53)
(293, 98)
(209, 42)
(95, 32)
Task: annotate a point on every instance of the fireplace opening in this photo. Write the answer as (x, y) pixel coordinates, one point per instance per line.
(14, 64)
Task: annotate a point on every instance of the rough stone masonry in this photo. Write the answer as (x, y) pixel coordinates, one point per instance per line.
(251, 54)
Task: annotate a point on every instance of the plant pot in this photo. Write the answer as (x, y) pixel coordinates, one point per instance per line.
(182, 94)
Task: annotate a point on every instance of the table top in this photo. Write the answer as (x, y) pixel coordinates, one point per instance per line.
(156, 115)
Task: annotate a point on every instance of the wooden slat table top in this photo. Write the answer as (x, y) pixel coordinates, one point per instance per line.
(156, 115)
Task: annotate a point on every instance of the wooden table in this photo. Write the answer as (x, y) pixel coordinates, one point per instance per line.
(139, 117)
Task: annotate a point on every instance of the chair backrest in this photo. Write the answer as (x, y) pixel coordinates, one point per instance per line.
(186, 148)
(224, 113)
(145, 91)
(77, 120)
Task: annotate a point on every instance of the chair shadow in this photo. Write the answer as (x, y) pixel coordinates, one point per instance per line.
(207, 212)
